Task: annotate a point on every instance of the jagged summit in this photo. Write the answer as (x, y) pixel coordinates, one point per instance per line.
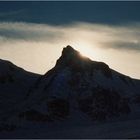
(71, 57)
(69, 52)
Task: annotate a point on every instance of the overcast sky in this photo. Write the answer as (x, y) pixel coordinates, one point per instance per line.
(33, 34)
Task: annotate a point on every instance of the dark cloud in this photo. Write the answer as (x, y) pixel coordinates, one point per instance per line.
(116, 37)
(64, 12)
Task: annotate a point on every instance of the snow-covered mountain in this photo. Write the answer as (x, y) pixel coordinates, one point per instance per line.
(76, 93)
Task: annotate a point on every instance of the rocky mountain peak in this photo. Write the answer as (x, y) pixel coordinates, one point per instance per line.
(69, 51)
(69, 54)
(71, 57)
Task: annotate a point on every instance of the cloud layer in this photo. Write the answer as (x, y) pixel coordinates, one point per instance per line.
(36, 47)
(115, 37)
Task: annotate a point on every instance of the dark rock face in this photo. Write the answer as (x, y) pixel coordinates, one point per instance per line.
(6, 78)
(104, 104)
(58, 108)
(72, 58)
(104, 68)
(7, 127)
(127, 80)
(136, 99)
(33, 115)
(68, 56)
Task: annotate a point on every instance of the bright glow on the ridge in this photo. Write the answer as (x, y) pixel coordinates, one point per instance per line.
(86, 49)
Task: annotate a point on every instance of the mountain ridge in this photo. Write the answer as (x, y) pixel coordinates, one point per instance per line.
(76, 88)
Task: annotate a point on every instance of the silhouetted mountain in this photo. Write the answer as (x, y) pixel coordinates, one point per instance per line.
(76, 92)
(14, 84)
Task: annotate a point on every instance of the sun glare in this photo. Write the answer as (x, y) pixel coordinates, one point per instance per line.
(86, 50)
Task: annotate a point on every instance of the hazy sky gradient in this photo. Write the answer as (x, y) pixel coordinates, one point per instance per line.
(33, 34)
